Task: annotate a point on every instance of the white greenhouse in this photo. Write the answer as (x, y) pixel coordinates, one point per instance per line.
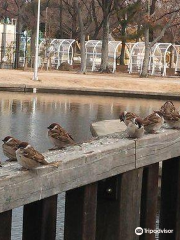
(56, 51)
(93, 54)
(162, 56)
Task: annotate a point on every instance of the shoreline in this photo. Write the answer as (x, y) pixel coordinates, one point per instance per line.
(88, 91)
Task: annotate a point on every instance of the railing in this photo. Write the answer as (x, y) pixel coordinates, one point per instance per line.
(96, 209)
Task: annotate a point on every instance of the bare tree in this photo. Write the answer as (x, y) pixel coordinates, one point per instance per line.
(107, 7)
(151, 20)
(82, 37)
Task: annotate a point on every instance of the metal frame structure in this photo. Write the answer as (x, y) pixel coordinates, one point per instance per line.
(62, 50)
(158, 55)
(136, 57)
(158, 58)
(177, 67)
(93, 54)
(112, 56)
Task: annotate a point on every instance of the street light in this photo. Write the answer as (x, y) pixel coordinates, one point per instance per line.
(35, 77)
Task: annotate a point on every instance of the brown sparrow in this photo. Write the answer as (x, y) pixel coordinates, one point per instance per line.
(135, 128)
(29, 158)
(153, 122)
(10, 146)
(58, 136)
(127, 117)
(173, 120)
(168, 108)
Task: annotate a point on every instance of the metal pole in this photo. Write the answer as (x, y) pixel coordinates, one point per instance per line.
(35, 77)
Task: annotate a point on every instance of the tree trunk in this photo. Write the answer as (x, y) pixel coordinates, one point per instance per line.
(74, 20)
(145, 66)
(61, 19)
(18, 39)
(123, 44)
(105, 41)
(33, 47)
(83, 54)
(82, 38)
(152, 10)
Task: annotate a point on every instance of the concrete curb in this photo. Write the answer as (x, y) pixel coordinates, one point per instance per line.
(89, 91)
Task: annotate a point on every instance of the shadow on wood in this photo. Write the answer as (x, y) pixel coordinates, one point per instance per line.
(39, 219)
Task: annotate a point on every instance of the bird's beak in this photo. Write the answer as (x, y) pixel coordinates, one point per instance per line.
(3, 140)
(48, 127)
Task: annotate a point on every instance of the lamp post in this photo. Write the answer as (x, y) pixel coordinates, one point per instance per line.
(35, 77)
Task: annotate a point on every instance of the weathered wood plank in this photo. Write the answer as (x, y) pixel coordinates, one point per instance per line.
(108, 208)
(5, 225)
(81, 165)
(84, 164)
(39, 219)
(149, 199)
(80, 213)
(170, 199)
(117, 218)
(153, 148)
(130, 202)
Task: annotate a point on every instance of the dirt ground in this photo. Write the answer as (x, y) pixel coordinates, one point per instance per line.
(117, 81)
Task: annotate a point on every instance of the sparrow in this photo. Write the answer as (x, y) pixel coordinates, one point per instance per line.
(10, 146)
(58, 136)
(173, 120)
(127, 117)
(153, 122)
(29, 158)
(168, 108)
(135, 128)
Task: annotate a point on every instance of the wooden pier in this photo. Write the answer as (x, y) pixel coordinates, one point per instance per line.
(111, 186)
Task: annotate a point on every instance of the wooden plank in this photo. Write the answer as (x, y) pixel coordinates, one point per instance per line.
(153, 148)
(5, 225)
(149, 200)
(84, 164)
(118, 218)
(81, 165)
(170, 199)
(80, 213)
(130, 202)
(39, 219)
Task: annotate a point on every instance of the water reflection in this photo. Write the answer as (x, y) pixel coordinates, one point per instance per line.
(26, 116)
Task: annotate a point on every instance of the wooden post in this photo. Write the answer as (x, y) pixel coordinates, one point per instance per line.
(170, 199)
(39, 219)
(149, 200)
(5, 225)
(118, 218)
(80, 213)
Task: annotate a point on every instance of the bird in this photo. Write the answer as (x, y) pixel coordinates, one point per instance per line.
(126, 117)
(172, 120)
(10, 145)
(168, 107)
(59, 137)
(153, 122)
(29, 158)
(135, 128)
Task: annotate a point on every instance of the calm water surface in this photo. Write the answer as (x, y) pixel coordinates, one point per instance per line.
(26, 116)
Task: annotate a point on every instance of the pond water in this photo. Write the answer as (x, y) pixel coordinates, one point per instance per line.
(26, 116)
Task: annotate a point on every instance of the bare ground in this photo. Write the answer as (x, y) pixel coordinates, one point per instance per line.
(117, 81)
